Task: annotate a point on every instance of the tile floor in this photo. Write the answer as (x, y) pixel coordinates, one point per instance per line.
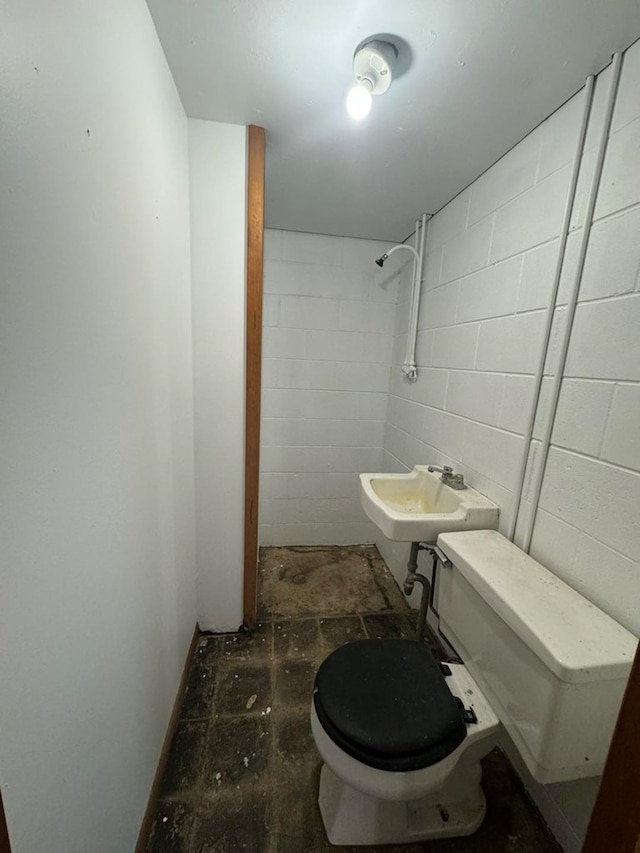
(243, 771)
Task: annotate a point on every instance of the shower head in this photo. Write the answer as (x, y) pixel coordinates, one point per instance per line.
(381, 260)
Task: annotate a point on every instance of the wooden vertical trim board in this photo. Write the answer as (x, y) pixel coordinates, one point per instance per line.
(152, 804)
(253, 365)
(615, 820)
(5, 846)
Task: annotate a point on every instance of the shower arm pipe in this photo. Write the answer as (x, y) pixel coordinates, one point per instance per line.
(573, 300)
(564, 236)
(410, 360)
(407, 369)
(415, 304)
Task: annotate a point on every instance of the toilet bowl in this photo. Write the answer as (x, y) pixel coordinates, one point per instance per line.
(366, 741)
(401, 735)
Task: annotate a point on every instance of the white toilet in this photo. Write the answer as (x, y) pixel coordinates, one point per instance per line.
(401, 736)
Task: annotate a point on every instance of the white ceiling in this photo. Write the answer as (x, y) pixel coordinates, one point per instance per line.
(481, 75)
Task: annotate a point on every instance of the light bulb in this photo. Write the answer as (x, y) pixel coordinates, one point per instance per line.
(359, 101)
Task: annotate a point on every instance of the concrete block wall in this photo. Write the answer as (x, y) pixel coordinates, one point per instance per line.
(489, 275)
(329, 316)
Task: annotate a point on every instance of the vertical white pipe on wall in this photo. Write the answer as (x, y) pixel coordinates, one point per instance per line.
(564, 236)
(573, 299)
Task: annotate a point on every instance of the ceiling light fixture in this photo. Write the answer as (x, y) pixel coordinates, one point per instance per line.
(373, 68)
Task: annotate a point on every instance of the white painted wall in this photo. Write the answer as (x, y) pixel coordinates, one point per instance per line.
(490, 264)
(97, 602)
(217, 158)
(328, 331)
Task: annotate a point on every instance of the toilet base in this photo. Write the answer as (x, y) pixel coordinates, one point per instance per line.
(353, 818)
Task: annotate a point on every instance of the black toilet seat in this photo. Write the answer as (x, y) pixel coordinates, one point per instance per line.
(386, 703)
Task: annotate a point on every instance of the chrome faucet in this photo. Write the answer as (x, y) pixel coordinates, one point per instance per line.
(454, 481)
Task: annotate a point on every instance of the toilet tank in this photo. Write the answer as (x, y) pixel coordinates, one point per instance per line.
(552, 664)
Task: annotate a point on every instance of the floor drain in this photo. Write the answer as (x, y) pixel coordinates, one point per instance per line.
(299, 578)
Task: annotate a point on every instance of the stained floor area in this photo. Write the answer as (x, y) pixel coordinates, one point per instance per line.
(243, 771)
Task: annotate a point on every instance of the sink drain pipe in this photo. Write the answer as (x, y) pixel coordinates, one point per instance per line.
(414, 577)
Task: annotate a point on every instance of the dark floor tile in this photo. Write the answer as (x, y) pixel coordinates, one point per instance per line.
(294, 745)
(248, 646)
(293, 685)
(338, 630)
(391, 626)
(303, 581)
(393, 598)
(297, 638)
(243, 690)
(296, 814)
(198, 700)
(233, 824)
(171, 829)
(512, 823)
(208, 649)
(236, 754)
(184, 765)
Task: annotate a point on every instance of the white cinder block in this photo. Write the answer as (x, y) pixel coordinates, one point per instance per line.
(340, 405)
(319, 460)
(620, 182)
(538, 272)
(492, 452)
(532, 218)
(598, 499)
(627, 106)
(408, 416)
(609, 580)
(444, 432)
(511, 344)
(284, 343)
(322, 432)
(367, 317)
(451, 220)
(417, 452)
(376, 348)
(305, 312)
(395, 443)
(475, 395)
(311, 248)
(492, 292)
(298, 485)
(269, 372)
(317, 534)
(286, 278)
(430, 388)
(432, 268)
(581, 417)
(351, 376)
(455, 346)
(438, 306)
(560, 136)
(467, 252)
(310, 510)
(554, 543)
(506, 179)
(605, 343)
(270, 310)
(516, 405)
(612, 263)
(330, 282)
(334, 346)
(272, 244)
(299, 373)
(622, 437)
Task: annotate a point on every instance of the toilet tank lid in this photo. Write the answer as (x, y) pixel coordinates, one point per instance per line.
(574, 638)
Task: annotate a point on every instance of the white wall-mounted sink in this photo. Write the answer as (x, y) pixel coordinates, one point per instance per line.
(417, 507)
